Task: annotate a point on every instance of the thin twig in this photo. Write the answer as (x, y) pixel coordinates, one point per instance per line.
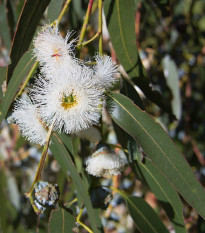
(35, 65)
(82, 224)
(85, 24)
(42, 161)
(100, 27)
(64, 10)
(70, 203)
(93, 38)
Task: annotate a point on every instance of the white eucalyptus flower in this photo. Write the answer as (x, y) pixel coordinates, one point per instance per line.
(105, 163)
(105, 71)
(25, 115)
(71, 99)
(51, 49)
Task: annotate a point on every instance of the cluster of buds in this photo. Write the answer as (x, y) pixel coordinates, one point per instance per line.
(105, 162)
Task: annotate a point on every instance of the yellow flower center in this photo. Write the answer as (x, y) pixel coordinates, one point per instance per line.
(68, 101)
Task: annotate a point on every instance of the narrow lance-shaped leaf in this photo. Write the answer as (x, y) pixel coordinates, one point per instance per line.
(130, 91)
(164, 192)
(159, 147)
(11, 17)
(4, 213)
(28, 21)
(63, 158)
(4, 28)
(118, 14)
(20, 73)
(143, 215)
(122, 34)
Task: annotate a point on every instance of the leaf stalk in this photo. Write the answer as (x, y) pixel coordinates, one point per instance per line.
(82, 224)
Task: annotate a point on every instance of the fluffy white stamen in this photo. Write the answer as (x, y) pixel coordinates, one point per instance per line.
(25, 115)
(51, 49)
(72, 99)
(105, 71)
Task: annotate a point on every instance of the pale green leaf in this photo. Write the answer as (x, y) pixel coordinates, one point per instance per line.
(172, 79)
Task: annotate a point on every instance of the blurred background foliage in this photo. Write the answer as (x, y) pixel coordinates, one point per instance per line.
(171, 42)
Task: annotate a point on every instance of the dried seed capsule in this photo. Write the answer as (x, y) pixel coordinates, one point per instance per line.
(45, 195)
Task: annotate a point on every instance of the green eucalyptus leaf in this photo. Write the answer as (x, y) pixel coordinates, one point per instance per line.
(3, 202)
(118, 13)
(122, 34)
(61, 221)
(20, 73)
(134, 150)
(121, 135)
(4, 27)
(129, 91)
(68, 142)
(28, 21)
(65, 161)
(11, 16)
(164, 192)
(54, 10)
(143, 215)
(7, 213)
(159, 147)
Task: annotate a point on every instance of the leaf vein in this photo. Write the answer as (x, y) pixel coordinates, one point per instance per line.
(122, 36)
(161, 150)
(167, 197)
(138, 210)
